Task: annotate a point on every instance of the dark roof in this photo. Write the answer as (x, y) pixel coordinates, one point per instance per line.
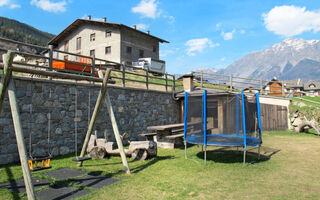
(210, 92)
(293, 83)
(309, 83)
(77, 23)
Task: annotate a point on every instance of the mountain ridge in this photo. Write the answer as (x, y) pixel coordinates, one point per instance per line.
(15, 30)
(283, 60)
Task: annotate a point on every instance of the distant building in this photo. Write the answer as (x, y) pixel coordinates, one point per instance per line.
(109, 41)
(312, 88)
(294, 87)
(273, 87)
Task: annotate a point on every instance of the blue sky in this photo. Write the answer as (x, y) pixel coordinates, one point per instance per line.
(202, 33)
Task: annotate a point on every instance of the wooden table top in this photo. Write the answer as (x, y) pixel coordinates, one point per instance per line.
(165, 127)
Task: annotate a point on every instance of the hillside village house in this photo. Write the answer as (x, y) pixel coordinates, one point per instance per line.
(292, 87)
(109, 41)
(273, 87)
(312, 88)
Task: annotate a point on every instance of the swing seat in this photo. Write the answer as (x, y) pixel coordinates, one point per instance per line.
(80, 159)
(45, 163)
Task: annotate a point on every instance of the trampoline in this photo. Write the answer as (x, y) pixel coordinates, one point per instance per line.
(222, 120)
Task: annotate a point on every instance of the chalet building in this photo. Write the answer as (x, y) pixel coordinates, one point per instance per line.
(109, 41)
(273, 87)
(312, 88)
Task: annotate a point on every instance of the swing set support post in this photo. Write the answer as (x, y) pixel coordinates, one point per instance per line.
(17, 123)
(101, 95)
(95, 114)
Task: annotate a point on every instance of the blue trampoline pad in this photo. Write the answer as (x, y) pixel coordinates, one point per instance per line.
(224, 140)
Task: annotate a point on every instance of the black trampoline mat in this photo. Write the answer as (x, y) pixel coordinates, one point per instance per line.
(221, 139)
(96, 182)
(64, 173)
(63, 192)
(18, 186)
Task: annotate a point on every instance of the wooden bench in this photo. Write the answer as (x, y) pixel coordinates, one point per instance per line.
(176, 139)
(174, 136)
(149, 136)
(177, 130)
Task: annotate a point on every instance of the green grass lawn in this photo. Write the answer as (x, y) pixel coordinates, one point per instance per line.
(289, 169)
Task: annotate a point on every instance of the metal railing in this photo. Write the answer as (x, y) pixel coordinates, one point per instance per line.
(124, 75)
(235, 83)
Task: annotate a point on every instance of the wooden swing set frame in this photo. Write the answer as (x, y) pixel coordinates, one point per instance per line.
(7, 84)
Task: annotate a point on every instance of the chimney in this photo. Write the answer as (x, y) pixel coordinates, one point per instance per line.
(89, 17)
(187, 80)
(148, 32)
(134, 26)
(104, 19)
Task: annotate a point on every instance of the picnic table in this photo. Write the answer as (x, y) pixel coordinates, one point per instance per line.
(166, 136)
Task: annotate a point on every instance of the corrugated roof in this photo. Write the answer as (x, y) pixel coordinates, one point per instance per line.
(77, 23)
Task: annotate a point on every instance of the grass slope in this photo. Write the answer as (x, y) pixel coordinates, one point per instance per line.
(292, 172)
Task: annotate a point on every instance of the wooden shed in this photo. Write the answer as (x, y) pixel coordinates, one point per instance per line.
(274, 110)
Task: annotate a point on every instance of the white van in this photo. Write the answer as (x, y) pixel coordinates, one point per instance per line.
(153, 65)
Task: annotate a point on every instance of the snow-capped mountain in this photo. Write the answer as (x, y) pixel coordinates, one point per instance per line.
(290, 59)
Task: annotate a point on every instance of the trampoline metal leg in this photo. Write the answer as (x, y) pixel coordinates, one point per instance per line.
(205, 155)
(259, 152)
(244, 157)
(185, 149)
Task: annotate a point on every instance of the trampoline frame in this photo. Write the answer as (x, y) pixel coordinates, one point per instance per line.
(254, 140)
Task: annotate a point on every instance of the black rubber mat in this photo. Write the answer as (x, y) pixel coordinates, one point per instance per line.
(96, 182)
(64, 173)
(19, 187)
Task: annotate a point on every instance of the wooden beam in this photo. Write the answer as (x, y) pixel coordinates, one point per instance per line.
(117, 133)
(54, 74)
(7, 60)
(95, 114)
(20, 140)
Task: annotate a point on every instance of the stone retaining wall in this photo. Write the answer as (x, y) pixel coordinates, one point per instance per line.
(135, 109)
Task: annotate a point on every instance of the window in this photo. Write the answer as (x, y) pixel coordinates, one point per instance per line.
(108, 33)
(92, 37)
(108, 50)
(78, 45)
(129, 50)
(154, 49)
(92, 52)
(141, 53)
(66, 46)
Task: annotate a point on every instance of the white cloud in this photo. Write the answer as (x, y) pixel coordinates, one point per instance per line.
(142, 26)
(13, 6)
(228, 35)
(197, 45)
(291, 20)
(218, 26)
(164, 53)
(222, 59)
(4, 2)
(170, 18)
(147, 8)
(9, 3)
(50, 6)
(242, 31)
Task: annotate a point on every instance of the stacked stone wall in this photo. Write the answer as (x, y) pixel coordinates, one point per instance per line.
(41, 100)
